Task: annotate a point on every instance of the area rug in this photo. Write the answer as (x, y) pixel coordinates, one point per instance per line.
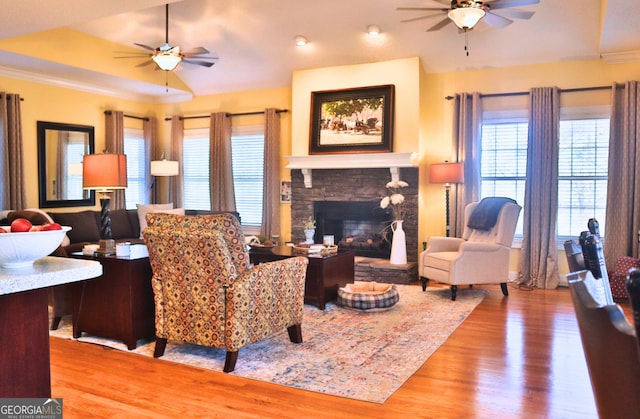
(345, 352)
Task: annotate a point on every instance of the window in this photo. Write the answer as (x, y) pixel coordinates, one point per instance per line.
(137, 161)
(503, 166)
(195, 155)
(582, 174)
(75, 152)
(582, 167)
(247, 150)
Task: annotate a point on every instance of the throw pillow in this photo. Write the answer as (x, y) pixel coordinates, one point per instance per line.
(143, 209)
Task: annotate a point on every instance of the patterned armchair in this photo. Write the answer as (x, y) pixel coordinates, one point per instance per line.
(207, 293)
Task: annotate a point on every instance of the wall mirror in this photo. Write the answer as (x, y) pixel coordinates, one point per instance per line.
(61, 148)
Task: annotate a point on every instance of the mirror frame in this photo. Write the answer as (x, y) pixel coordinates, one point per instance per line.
(44, 202)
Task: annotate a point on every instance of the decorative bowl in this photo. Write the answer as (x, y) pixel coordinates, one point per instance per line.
(18, 250)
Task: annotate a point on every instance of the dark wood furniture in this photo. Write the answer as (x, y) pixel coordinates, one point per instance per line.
(610, 347)
(24, 330)
(119, 304)
(325, 274)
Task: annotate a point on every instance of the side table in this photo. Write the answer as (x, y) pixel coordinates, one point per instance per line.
(119, 304)
(325, 274)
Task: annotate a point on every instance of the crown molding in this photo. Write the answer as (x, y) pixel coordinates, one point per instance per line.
(621, 57)
(90, 87)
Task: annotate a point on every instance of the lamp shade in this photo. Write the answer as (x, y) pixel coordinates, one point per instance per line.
(446, 173)
(164, 168)
(104, 172)
(466, 17)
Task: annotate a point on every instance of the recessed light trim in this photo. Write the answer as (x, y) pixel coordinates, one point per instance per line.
(373, 30)
(301, 40)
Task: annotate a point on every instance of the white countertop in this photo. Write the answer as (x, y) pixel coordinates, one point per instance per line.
(47, 272)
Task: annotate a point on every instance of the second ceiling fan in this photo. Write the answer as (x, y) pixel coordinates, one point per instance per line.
(167, 57)
(467, 13)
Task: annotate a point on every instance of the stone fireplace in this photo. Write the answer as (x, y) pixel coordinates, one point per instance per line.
(359, 189)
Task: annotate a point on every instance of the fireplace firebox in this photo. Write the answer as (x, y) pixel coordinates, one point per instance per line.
(357, 226)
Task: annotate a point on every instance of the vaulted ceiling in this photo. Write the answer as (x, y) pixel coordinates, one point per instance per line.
(76, 41)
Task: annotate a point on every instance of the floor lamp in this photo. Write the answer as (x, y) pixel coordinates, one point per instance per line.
(447, 173)
(104, 173)
(162, 167)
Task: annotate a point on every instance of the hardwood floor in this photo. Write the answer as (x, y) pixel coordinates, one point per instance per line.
(515, 357)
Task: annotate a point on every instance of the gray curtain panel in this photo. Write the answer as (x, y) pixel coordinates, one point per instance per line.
(466, 133)
(12, 189)
(271, 186)
(176, 183)
(539, 255)
(623, 187)
(114, 143)
(151, 151)
(220, 169)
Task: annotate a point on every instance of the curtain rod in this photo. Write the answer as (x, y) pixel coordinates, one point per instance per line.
(8, 98)
(578, 89)
(141, 118)
(231, 115)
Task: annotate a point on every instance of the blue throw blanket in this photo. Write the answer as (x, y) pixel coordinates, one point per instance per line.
(485, 214)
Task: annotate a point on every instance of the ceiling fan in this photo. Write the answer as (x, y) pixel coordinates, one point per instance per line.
(167, 57)
(467, 13)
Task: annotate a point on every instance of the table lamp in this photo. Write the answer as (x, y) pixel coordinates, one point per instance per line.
(162, 167)
(105, 173)
(447, 173)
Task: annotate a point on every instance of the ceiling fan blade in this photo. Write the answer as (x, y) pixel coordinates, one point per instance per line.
(439, 9)
(503, 4)
(195, 51)
(198, 62)
(444, 22)
(144, 64)
(496, 21)
(413, 19)
(134, 56)
(517, 14)
(147, 47)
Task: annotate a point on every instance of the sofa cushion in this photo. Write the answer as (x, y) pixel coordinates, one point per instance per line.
(120, 225)
(85, 225)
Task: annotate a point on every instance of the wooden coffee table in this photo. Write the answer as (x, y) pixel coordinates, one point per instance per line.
(119, 304)
(325, 274)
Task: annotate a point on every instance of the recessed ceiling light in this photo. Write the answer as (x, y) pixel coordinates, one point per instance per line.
(373, 30)
(301, 40)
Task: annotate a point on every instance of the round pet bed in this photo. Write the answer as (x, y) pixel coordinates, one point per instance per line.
(368, 296)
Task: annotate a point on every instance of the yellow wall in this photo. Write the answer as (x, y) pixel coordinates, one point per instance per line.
(423, 118)
(56, 104)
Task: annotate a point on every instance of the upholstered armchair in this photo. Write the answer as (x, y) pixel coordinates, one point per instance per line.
(481, 256)
(207, 293)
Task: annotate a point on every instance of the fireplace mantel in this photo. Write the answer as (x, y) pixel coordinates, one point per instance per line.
(393, 161)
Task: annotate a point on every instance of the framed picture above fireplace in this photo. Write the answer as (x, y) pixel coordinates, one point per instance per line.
(358, 120)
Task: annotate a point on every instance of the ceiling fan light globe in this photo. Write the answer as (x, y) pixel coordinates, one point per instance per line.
(167, 61)
(466, 17)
